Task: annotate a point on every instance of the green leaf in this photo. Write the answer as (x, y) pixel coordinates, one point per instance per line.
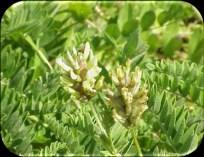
(194, 93)
(175, 11)
(187, 139)
(40, 137)
(198, 52)
(150, 66)
(91, 146)
(124, 15)
(180, 120)
(171, 127)
(148, 19)
(201, 98)
(162, 17)
(164, 110)
(194, 143)
(112, 30)
(173, 45)
(179, 133)
(137, 59)
(127, 147)
(119, 136)
(131, 45)
(153, 42)
(157, 102)
(194, 40)
(80, 11)
(129, 27)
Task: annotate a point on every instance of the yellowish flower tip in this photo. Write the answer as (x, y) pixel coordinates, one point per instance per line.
(79, 71)
(130, 97)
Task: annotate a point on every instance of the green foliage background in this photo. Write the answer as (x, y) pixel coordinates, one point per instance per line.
(164, 39)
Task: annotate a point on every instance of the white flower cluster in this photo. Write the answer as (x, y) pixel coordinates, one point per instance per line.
(129, 98)
(80, 70)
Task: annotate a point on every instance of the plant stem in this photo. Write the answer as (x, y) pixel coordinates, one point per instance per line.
(98, 120)
(108, 140)
(137, 146)
(38, 51)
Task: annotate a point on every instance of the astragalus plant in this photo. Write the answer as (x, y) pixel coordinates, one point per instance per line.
(102, 79)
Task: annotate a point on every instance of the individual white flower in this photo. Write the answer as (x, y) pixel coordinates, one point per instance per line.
(62, 64)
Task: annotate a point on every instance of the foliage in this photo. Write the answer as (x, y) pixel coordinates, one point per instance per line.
(163, 46)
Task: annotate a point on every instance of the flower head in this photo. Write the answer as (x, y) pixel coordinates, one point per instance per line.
(80, 70)
(129, 97)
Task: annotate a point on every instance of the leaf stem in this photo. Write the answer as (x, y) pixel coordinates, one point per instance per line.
(137, 146)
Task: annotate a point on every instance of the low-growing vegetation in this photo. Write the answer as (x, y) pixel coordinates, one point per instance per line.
(102, 78)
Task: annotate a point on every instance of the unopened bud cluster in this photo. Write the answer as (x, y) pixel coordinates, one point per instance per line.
(129, 97)
(80, 70)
